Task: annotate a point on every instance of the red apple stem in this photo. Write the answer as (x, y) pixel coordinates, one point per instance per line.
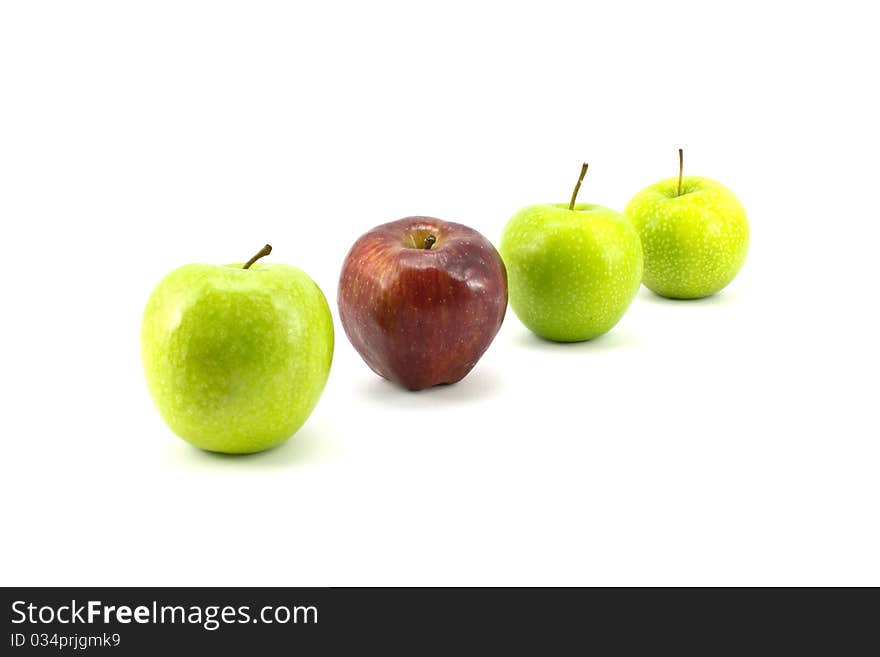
(266, 250)
(577, 187)
(429, 241)
(680, 168)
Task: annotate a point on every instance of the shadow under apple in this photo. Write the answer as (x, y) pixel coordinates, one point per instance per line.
(481, 384)
(313, 444)
(616, 338)
(721, 298)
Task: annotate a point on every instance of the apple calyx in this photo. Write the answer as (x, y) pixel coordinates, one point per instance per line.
(266, 250)
(577, 187)
(429, 242)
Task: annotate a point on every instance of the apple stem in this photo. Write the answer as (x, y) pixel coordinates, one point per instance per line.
(429, 241)
(577, 187)
(266, 250)
(680, 168)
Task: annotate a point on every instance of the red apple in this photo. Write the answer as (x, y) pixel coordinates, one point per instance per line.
(422, 299)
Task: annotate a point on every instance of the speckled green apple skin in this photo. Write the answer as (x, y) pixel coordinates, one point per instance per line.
(236, 359)
(694, 244)
(571, 273)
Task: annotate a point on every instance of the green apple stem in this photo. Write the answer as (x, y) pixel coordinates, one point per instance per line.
(429, 241)
(577, 187)
(680, 168)
(266, 250)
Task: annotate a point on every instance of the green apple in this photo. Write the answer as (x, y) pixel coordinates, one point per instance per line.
(236, 356)
(694, 233)
(573, 268)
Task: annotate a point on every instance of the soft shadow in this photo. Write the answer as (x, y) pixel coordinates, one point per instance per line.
(483, 383)
(721, 298)
(311, 445)
(616, 338)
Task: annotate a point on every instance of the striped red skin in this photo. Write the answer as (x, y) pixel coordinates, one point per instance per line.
(422, 317)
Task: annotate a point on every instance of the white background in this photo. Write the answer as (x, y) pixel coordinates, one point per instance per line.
(727, 441)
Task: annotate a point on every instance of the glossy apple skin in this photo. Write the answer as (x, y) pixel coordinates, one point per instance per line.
(695, 243)
(236, 359)
(422, 317)
(573, 273)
